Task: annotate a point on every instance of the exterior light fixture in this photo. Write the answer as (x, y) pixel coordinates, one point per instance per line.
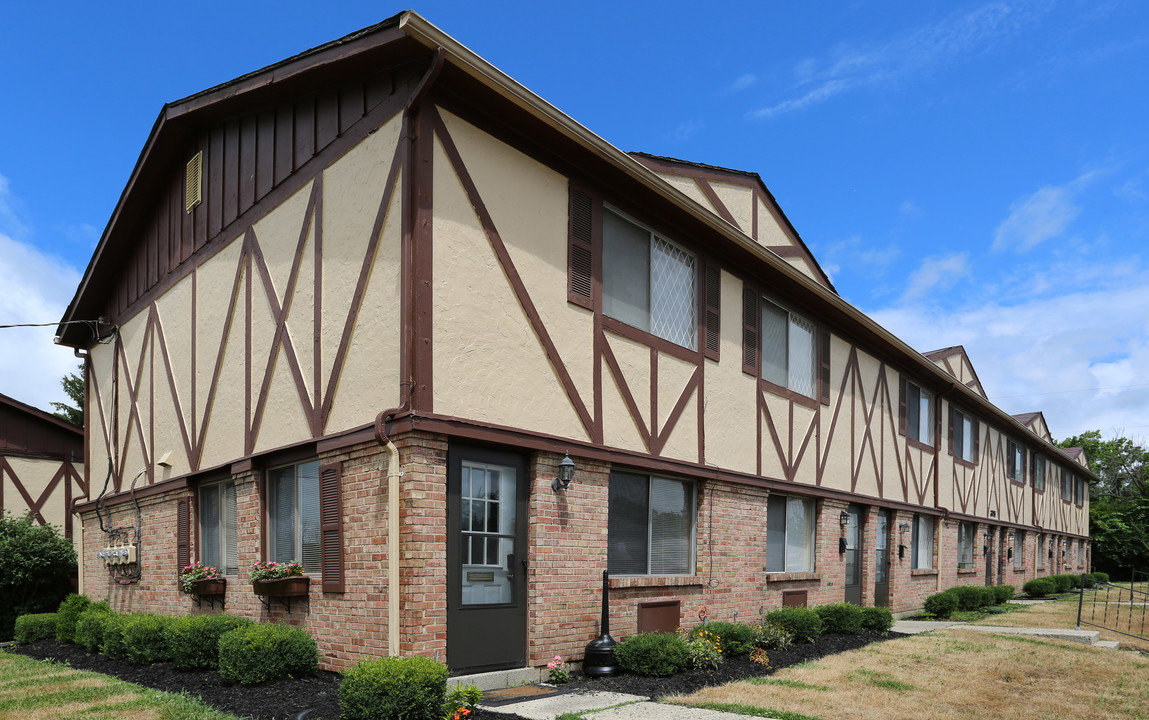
(993, 513)
(903, 528)
(566, 474)
(844, 519)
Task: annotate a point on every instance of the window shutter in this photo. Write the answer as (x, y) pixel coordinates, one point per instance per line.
(183, 535)
(749, 330)
(331, 527)
(973, 425)
(713, 297)
(580, 249)
(902, 393)
(951, 433)
(824, 366)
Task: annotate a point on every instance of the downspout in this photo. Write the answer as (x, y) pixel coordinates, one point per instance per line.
(394, 477)
(938, 472)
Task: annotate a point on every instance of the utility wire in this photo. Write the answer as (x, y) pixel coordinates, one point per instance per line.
(1063, 392)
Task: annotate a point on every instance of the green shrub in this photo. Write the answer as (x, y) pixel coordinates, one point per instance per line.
(193, 640)
(772, 637)
(38, 563)
(90, 625)
(1100, 577)
(972, 597)
(256, 653)
(1003, 593)
(734, 639)
(38, 626)
(1039, 587)
(112, 641)
(941, 605)
(67, 616)
(1084, 581)
(1065, 582)
(705, 648)
(461, 696)
(840, 617)
(654, 654)
(393, 688)
(144, 641)
(877, 618)
(803, 623)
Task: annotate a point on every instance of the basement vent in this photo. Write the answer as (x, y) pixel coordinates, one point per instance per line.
(193, 188)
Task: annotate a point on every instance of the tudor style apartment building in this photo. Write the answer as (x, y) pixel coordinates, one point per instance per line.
(360, 304)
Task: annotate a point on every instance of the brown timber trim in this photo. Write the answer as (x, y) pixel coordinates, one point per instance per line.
(719, 206)
(159, 488)
(919, 445)
(607, 354)
(787, 251)
(788, 394)
(692, 385)
(422, 188)
(641, 336)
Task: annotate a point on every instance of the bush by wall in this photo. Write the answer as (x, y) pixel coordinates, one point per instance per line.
(972, 597)
(840, 617)
(90, 625)
(653, 654)
(256, 653)
(68, 614)
(1100, 577)
(38, 563)
(1065, 582)
(112, 640)
(144, 641)
(37, 626)
(392, 688)
(941, 605)
(877, 618)
(1003, 593)
(803, 623)
(193, 640)
(1039, 587)
(733, 638)
(772, 637)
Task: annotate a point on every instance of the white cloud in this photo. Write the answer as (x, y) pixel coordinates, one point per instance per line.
(34, 288)
(742, 83)
(936, 273)
(9, 222)
(686, 130)
(1035, 218)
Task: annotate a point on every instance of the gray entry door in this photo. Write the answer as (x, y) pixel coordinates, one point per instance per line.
(486, 559)
(854, 555)
(882, 559)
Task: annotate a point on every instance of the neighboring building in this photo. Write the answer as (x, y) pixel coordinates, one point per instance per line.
(41, 466)
(366, 299)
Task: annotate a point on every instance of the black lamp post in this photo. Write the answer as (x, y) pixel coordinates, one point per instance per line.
(599, 659)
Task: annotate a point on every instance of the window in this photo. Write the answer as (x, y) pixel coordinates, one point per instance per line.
(1078, 491)
(1040, 551)
(1016, 462)
(293, 515)
(1066, 485)
(1018, 549)
(648, 282)
(917, 412)
(787, 349)
(790, 533)
(966, 532)
(217, 539)
(963, 436)
(923, 542)
(1039, 473)
(650, 528)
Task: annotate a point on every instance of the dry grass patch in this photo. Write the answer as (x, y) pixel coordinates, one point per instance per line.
(1062, 614)
(948, 674)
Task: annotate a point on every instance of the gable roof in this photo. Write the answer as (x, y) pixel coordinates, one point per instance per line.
(26, 430)
(944, 358)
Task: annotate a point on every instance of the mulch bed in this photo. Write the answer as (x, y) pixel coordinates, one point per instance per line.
(284, 699)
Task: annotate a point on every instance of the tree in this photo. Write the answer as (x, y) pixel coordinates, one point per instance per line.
(74, 388)
(36, 567)
(1122, 464)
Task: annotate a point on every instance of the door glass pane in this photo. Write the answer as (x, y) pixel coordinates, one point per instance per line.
(853, 567)
(881, 564)
(489, 562)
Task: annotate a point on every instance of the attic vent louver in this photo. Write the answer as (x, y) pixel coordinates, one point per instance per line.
(193, 188)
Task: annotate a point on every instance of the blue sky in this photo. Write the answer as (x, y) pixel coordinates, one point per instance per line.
(968, 173)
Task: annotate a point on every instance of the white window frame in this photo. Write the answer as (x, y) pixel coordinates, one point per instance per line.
(684, 312)
(651, 539)
(922, 543)
(800, 545)
(789, 349)
(967, 533)
(304, 510)
(923, 429)
(226, 557)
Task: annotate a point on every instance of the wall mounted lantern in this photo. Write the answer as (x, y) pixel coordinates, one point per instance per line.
(566, 474)
(993, 513)
(903, 528)
(844, 519)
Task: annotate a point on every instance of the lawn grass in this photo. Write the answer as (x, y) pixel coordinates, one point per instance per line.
(35, 690)
(1061, 613)
(948, 674)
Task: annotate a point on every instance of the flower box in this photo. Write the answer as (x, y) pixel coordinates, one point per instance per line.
(208, 586)
(282, 587)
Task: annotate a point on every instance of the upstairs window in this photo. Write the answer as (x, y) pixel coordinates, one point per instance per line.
(217, 525)
(963, 435)
(966, 532)
(648, 282)
(1066, 485)
(1079, 491)
(1016, 462)
(916, 412)
(650, 525)
(788, 349)
(1039, 473)
(790, 524)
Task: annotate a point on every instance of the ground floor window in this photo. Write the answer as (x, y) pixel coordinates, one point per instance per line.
(790, 533)
(1018, 549)
(966, 534)
(650, 527)
(923, 542)
(293, 515)
(217, 526)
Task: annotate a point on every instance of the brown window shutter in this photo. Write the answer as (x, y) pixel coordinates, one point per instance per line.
(183, 535)
(824, 366)
(750, 325)
(903, 393)
(973, 424)
(580, 254)
(331, 527)
(713, 297)
(953, 419)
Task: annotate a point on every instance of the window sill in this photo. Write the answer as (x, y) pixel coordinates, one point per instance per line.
(963, 462)
(924, 447)
(923, 571)
(1019, 569)
(790, 577)
(788, 394)
(967, 571)
(641, 581)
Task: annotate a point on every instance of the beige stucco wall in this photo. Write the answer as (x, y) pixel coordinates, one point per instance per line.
(208, 308)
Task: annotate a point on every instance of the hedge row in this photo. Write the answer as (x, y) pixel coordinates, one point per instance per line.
(966, 597)
(1040, 587)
